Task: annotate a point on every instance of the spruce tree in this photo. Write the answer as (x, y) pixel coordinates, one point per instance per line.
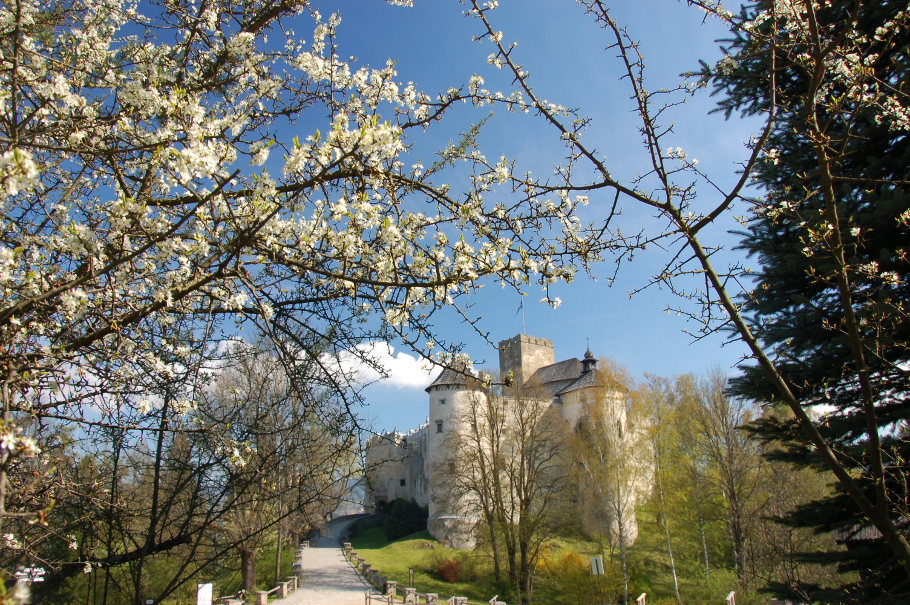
(796, 306)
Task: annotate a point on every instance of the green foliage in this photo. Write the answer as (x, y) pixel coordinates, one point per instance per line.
(225, 575)
(565, 575)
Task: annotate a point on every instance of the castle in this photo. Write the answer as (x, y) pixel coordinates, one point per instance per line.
(406, 465)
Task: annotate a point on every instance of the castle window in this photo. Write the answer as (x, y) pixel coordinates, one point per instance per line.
(401, 482)
(442, 401)
(439, 426)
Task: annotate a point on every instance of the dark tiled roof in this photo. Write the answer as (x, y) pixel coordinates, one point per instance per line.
(570, 369)
(451, 377)
(588, 379)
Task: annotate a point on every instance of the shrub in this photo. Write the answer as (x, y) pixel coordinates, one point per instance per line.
(449, 570)
(570, 574)
(473, 566)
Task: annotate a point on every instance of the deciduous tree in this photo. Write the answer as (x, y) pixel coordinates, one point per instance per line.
(614, 456)
(510, 449)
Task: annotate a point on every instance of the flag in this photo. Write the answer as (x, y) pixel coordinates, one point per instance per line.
(520, 307)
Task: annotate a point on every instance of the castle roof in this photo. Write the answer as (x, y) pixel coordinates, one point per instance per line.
(588, 379)
(569, 375)
(451, 377)
(568, 369)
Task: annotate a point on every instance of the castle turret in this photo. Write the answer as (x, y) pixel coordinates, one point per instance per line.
(588, 364)
(450, 519)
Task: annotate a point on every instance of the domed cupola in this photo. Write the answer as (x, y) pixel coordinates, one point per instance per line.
(588, 363)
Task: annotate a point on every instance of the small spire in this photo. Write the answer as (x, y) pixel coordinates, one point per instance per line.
(588, 363)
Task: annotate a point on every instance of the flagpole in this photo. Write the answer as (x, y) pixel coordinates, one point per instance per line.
(521, 309)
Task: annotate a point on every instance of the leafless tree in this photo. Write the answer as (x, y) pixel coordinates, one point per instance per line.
(510, 454)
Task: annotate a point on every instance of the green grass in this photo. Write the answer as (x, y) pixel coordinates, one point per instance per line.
(421, 552)
(563, 575)
(88, 588)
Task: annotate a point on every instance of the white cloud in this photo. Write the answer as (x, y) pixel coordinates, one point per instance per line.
(403, 370)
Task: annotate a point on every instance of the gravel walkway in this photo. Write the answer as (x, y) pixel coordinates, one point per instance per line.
(327, 575)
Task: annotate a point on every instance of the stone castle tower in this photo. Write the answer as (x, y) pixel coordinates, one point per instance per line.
(522, 355)
(449, 516)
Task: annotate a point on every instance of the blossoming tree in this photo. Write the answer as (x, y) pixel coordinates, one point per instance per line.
(155, 171)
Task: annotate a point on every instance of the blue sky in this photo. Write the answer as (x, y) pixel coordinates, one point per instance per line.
(564, 52)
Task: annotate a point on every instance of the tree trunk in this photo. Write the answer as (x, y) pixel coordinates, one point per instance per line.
(663, 516)
(704, 542)
(278, 556)
(737, 535)
(622, 558)
(248, 569)
(154, 513)
(109, 514)
(511, 551)
(621, 533)
(494, 546)
(525, 574)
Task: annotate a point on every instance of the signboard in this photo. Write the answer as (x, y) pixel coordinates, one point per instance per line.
(204, 594)
(597, 565)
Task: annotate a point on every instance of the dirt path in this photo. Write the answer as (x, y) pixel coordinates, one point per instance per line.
(327, 575)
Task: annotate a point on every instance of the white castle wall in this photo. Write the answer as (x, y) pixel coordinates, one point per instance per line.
(395, 467)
